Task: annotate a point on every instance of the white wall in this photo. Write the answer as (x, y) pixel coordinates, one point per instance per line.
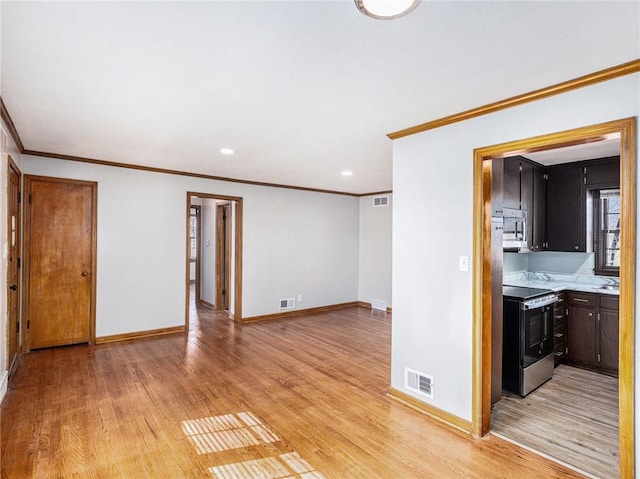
(295, 242)
(433, 209)
(375, 251)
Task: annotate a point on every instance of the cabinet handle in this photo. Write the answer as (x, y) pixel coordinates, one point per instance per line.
(558, 353)
(580, 300)
(560, 316)
(558, 335)
(576, 247)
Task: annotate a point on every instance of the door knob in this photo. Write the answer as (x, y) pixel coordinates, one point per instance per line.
(84, 273)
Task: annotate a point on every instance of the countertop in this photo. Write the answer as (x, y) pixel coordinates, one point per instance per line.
(560, 282)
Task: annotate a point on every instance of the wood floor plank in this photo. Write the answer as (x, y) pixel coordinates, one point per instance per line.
(573, 417)
(314, 387)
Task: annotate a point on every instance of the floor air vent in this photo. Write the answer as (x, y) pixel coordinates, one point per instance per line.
(380, 201)
(287, 303)
(419, 382)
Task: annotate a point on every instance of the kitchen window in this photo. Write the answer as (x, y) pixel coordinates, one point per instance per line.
(606, 231)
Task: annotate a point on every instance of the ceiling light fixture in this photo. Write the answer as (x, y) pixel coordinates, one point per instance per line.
(226, 151)
(347, 173)
(386, 9)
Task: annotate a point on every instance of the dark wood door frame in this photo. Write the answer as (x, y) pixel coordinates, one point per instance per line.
(223, 254)
(236, 315)
(28, 180)
(14, 286)
(481, 379)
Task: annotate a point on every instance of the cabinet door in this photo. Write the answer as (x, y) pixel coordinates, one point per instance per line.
(603, 173)
(565, 209)
(608, 356)
(526, 198)
(581, 326)
(539, 210)
(511, 186)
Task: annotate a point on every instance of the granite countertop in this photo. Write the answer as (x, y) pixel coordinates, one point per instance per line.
(561, 282)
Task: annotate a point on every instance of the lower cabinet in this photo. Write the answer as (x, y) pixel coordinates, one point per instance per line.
(592, 331)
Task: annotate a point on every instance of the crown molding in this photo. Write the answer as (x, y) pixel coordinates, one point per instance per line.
(580, 82)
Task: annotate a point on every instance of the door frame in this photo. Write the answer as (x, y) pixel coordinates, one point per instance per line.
(11, 362)
(237, 299)
(481, 379)
(223, 255)
(28, 180)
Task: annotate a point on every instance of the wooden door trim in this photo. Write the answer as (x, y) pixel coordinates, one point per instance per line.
(237, 300)
(28, 181)
(481, 379)
(11, 165)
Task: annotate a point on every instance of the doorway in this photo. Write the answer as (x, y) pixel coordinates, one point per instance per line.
(482, 313)
(217, 243)
(14, 222)
(60, 262)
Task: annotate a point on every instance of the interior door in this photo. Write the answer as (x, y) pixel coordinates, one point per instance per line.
(223, 255)
(60, 239)
(13, 266)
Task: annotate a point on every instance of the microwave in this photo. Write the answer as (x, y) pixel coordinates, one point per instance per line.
(514, 230)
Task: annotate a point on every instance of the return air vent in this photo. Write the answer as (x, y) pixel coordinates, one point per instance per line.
(380, 201)
(287, 303)
(419, 382)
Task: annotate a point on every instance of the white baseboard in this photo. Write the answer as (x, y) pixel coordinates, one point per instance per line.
(3, 385)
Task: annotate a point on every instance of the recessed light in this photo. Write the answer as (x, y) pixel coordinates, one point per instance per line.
(226, 151)
(347, 173)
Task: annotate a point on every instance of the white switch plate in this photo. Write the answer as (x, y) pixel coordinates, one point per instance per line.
(464, 263)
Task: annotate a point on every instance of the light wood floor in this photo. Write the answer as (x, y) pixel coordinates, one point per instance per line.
(300, 398)
(573, 417)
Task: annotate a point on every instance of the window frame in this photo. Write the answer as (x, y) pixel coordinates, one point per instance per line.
(600, 236)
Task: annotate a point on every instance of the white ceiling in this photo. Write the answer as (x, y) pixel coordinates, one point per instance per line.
(569, 154)
(301, 90)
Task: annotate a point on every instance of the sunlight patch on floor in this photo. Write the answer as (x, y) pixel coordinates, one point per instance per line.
(230, 431)
(216, 434)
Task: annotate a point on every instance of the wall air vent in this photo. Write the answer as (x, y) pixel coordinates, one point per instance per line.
(419, 382)
(287, 303)
(380, 201)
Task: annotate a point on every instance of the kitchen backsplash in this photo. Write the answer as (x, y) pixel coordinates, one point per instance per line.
(570, 263)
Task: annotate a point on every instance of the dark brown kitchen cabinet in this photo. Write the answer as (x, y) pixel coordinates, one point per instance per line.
(608, 350)
(560, 330)
(539, 210)
(603, 173)
(581, 329)
(566, 217)
(592, 331)
(511, 185)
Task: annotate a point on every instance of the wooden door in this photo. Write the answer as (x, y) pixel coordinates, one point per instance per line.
(60, 239)
(223, 255)
(13, 265)
(581, 326)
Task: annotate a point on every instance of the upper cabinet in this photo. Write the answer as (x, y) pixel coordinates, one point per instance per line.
(566, 230)
(524, 189)
(604, 173)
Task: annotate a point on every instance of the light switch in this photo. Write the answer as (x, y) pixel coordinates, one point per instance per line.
(464, 263)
